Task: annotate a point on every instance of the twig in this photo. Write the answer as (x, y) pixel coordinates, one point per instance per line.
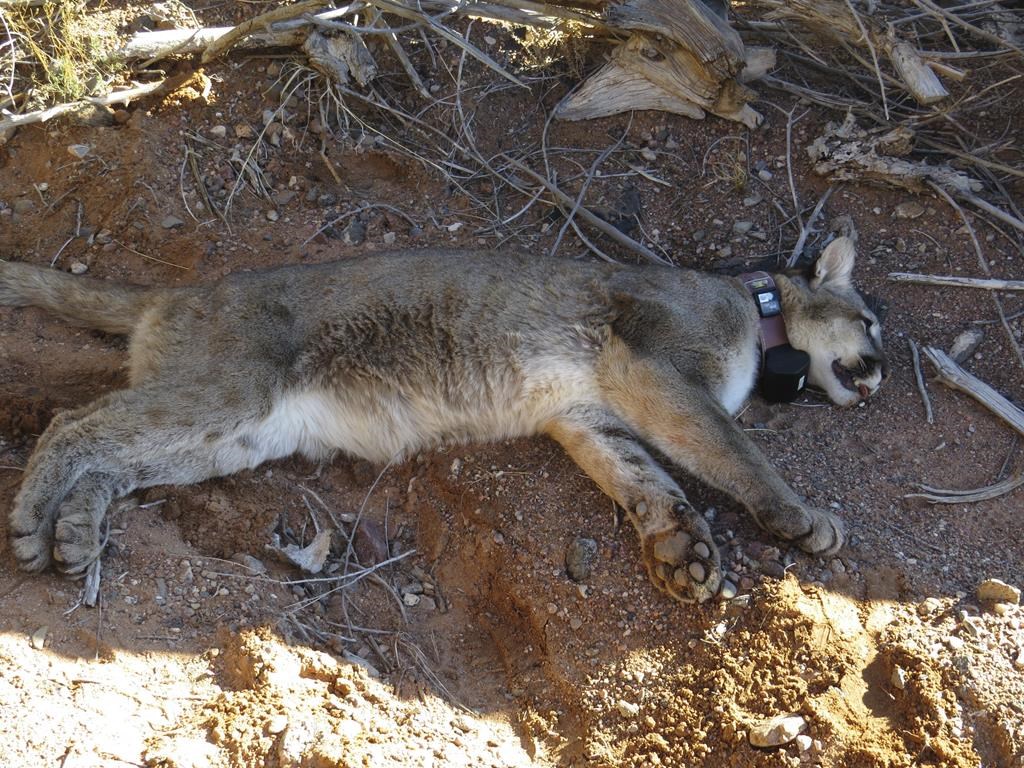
(941, 496)
(874, 57)
(955, 377)
(919, 377)
(588, 216)
(116, 97)
(984, 268)
(806, 229)
(219, 46)
(988, 284)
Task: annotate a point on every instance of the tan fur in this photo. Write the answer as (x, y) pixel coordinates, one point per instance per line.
(386, 356)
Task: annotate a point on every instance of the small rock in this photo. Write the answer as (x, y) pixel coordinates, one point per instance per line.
(627, 709)
(78, 151)
(23, 205)
(996, 591)
(284, 197)
(575, 623)
(648, 154)
(254, 565)
(104, 236)
(219, 131)
(78, 268)
(171, 222)
(764, 174)
(727, 591)
(954, 643)
(742, 227)
(725, 252)
(428, 604)
(698, 235)
(928, 606)
(411, 599)
(965, 344)
(579, 558)
(489, 40)
(909, 210)
(38, 638)
(898, 678)
(244, 131)
(750, 202)
(804, 742)
(355, 232)
(273, 215)
(389, 238)
(777, 731)
(276, 724)
(773, 569)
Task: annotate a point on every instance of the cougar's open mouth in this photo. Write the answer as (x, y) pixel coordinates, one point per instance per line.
(847, 377)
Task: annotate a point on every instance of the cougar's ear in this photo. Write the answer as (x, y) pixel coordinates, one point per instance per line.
(835, 265)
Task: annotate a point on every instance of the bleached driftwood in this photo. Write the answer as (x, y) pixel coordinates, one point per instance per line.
(183, 42)
(680, 57)
(837, 19)
(988, 284)
(955, 377)
(948, 496)
(847, 152)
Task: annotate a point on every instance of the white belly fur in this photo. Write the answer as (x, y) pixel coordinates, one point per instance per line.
(384, 427)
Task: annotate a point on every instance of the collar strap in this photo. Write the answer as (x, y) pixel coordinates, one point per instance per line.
(783, 369)
(766, 295)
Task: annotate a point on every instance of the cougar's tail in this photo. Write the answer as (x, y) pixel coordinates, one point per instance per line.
(110, 307)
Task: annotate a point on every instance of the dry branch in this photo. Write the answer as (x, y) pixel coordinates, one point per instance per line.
(955, 377)
(988, 284)
(944, 496)
(915, 356)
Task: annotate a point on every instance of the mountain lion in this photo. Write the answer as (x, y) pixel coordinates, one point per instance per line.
(388, 355)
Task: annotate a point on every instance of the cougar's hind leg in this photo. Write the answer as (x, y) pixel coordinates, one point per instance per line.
(77, 534)
(136, 439)
(678, 551)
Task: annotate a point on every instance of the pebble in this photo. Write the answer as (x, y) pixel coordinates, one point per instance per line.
(276, 724)
(411, 599)
(78, 268)
(928, 605)
(355, 232)
(171, 222)
(725, 252)
(579, 558)
(750, 202)
(219, 131)
(575, 623)
(627, 709)
(764, 174)
(244, 131)
(728, 590)
(804, 742)
(38, 638)
(954, 643)
(996, 591)
(698, 235)
(898, 678)
(23, 205)
(428, 604)
(389, 238)
(777, 731)
(273, 215)
(773, 569)
(78, 151)
(254, 565)
(966, 344)
(742, 227)
(909, 210)
(649, 155)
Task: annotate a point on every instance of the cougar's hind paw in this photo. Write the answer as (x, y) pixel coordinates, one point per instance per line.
(683, 561)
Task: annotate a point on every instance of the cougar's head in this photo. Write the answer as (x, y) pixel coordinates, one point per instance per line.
(827, 318)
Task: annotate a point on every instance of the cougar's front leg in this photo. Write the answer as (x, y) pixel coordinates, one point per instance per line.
(683, 421)
(678, 551)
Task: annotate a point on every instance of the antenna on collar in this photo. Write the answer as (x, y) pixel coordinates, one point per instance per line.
(783, 368)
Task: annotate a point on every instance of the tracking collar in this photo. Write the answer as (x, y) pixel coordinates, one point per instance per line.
(783, 368)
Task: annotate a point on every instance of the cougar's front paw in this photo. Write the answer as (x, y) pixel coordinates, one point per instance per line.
(683, 560)
(814, 531)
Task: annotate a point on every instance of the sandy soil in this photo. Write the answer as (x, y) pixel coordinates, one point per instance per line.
(477, 648)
